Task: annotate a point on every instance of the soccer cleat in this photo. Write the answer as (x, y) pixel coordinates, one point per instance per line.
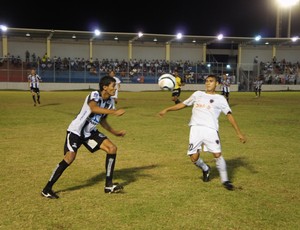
(228, 185)
(50, 194)
(206, 174)
(115, 188)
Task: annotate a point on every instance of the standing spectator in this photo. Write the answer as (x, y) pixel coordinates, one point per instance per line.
(27, 56)
(83, 131)
(204, 127)
(225, 84)
(34, 82)
(177, 89)
(257, 86)
(112, 73)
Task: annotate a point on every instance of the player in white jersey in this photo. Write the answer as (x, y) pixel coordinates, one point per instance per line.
(112, 73)
(83, 131)
(204, 127)
(34, 83)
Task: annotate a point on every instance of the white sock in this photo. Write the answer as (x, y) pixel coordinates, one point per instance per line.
(200, 163)
(221, 166)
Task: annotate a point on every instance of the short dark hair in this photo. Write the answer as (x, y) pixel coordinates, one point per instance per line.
(105, 81)
(213, 76)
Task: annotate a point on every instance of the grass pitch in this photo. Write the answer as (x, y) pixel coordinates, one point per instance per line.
(163, 189)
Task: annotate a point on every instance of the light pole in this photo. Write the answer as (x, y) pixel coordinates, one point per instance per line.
(278, 22)
(284, 4)
(289, 22)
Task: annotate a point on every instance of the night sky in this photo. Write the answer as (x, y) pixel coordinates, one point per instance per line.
(236, 18)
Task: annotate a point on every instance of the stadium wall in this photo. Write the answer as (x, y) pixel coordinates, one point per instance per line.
(130, 87)
(18, 47)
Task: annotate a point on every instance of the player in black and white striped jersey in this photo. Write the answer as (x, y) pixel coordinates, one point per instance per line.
(83, 131)
(225, 84)
(257, 86)
(34, 83)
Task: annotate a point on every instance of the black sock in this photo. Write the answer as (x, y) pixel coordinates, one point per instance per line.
(60, 168)
(33, 97)
(177, 101)
(109, 167)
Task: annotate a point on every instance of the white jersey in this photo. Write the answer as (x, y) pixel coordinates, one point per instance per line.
(207, 109)
(118, 81)
(86, 121)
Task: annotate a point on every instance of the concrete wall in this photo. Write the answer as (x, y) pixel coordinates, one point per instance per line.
(101, 50)
(129, 87)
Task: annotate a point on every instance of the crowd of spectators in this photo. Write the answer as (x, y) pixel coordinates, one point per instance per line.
(273, 72)
(280, 72)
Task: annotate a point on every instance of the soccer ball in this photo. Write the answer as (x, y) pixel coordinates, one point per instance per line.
(166, 82)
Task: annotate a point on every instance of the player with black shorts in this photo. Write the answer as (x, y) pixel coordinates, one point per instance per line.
(177, 89)
(83, 131)
(34, 82)
(257, 86)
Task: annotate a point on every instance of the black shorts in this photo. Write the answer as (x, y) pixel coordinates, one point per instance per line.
(176, 92)
(73, 142)
(35, 90)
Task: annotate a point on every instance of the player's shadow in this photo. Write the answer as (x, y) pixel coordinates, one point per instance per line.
(233, 164)
(128, 175)
(49, 104)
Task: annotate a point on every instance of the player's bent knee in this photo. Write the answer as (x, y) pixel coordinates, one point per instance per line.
(70, 157)
(194, 157)
(217, 155)
(111, 149)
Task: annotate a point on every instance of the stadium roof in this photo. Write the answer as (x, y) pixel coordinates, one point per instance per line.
(146, 38)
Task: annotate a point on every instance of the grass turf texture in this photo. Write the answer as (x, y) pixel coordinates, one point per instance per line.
(163, 189)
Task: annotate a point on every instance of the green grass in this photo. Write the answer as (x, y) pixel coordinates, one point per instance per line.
(163, 189)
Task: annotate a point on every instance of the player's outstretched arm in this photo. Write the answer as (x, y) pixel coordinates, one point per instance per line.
(98, 110)
(236, 128)
(106, 126)
(118, 112)
(172, 108)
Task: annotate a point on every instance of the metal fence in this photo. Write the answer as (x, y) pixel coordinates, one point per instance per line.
(82, 71)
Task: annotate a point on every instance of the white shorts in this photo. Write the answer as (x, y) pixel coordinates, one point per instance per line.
(203, 137)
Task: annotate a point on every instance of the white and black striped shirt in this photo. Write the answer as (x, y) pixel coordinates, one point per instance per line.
(34, 81)
(85, 122)
(225, 85)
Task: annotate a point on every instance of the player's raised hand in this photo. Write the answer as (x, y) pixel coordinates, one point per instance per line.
(120, 133)
(119, 112)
